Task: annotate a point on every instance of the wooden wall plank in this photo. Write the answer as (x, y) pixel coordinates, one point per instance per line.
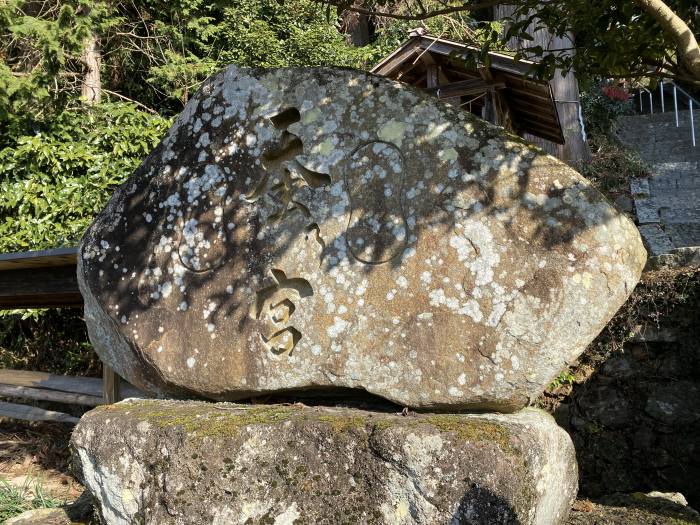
(465, 88)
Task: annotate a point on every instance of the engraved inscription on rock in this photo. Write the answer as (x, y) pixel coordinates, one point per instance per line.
(325, 228)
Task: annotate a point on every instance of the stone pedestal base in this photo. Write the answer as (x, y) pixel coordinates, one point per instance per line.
(174, 462)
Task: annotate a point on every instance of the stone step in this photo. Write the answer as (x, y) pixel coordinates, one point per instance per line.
(667, 203)
(686, 169)
(640, 123)
(683, 217)
(660, 239)
(667, 116)
(684, 234)
(654, 153)
(659, 135)
(655, 239)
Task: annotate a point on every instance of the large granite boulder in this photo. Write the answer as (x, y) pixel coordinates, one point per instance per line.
(325, 228)
(180, 462)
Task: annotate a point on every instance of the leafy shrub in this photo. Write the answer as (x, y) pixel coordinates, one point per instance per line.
(52, 341)
(52, 183)
(612, 165)
(601, 107)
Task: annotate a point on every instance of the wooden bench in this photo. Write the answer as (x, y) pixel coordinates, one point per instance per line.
(47, 279)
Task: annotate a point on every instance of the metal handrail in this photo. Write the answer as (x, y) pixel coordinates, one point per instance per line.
(676, 88)
(651, 100)
(690, 98)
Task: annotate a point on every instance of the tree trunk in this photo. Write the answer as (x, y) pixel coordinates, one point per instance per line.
(575, 150)
(678, 30)
(356, 28)
(92, 85)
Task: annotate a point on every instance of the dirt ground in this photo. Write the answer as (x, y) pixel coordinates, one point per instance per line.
(38, 450)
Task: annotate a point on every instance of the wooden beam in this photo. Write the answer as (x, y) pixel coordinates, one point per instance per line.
(538, 94)
(504, 116)
(465, 88)
(91, 386)
(431, 72)
(39, 259)
(110, 385)
(533, 128)
(28, 413)
(40, 287)
(395, 61)
(42, 394)
(540, 112)
(498, 61)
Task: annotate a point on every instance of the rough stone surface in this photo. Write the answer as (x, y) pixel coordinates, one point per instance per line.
(178, 462)
(320, 228)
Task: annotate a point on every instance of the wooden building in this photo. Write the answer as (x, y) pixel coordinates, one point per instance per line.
(504, 93)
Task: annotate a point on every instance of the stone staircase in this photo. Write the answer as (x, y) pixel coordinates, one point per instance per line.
(667, 203)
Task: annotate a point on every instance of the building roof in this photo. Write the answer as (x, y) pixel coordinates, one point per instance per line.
(451, 70)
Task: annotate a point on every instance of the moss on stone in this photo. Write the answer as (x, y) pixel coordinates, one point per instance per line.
(465, 429)
(205, 419)
(341, 423)
(208, 419)
(473, 430)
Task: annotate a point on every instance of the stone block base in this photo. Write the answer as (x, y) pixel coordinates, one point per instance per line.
(176, 462)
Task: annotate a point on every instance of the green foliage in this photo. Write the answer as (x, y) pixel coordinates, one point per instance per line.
(171, 47)
(52, 341)
(617, 38)
(39, 58)
(612, 165)
(565, 378)
(608, 38)
(459, 26)
(600, 112)
(267, 33)
(16, 499)
(53, 182)
(154, 52)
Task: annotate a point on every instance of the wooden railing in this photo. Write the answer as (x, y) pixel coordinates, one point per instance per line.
(47, 279)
